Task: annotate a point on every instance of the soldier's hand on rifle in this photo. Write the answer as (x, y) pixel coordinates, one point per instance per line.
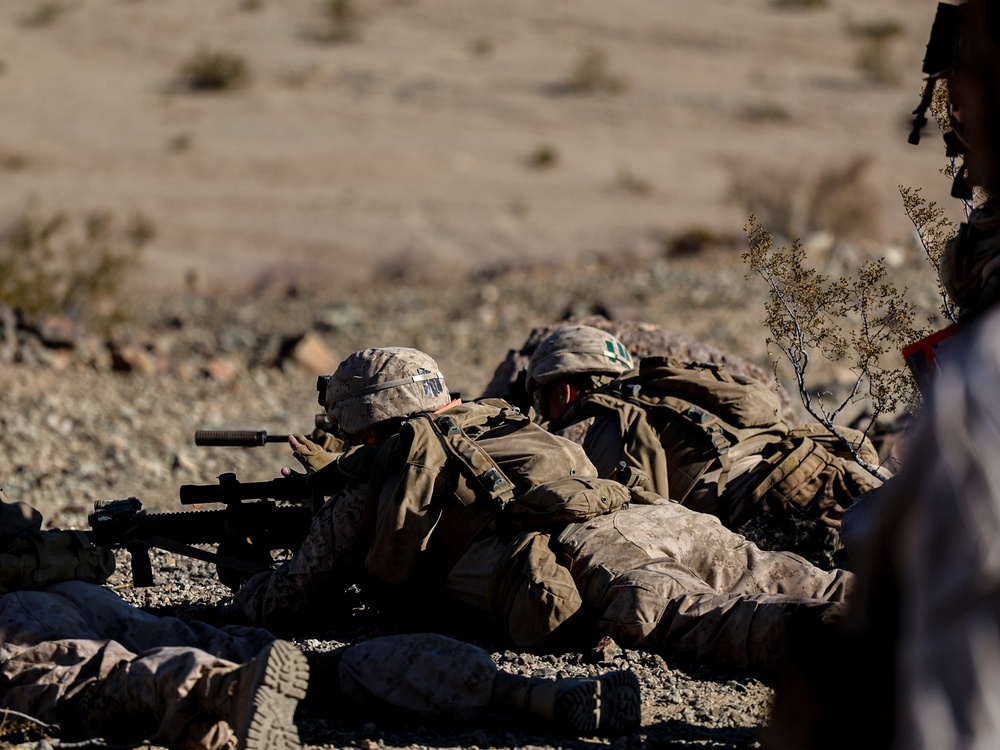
(312, 456)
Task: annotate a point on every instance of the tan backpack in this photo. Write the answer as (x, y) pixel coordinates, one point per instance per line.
(697, 413)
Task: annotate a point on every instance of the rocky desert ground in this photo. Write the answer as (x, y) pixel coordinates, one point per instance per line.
(436, 174)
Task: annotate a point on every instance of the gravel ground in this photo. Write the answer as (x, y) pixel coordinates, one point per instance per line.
(73, 432)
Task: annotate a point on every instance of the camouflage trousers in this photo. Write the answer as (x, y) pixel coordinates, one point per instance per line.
(62, 643)
(77, 655)
(423, 674)
(661, 576)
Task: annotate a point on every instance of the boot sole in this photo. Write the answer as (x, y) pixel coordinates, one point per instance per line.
(621, 701)
(282, 678)
(611, 703)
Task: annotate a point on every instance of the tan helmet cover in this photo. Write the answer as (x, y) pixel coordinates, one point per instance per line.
(374, 385)
(577, 350)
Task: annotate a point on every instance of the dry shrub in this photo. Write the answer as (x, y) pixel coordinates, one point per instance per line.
(689, 242)
(342, 21)
(842, 202)
(546, 156)
(874, 54)
(214, 70)
(58, 263)
(592, 74)
(860, 319)
(633, 183)
(800, 4)
(837, 199)
(45, 14)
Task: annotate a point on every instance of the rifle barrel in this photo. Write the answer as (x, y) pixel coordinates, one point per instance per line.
(243, 438)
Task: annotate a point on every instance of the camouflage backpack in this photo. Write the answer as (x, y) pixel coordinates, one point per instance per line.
(699, 415)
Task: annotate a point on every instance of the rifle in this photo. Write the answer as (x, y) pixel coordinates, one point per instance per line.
(245, 532)
(252, 438)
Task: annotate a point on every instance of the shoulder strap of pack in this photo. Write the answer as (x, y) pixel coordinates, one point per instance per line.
(456, 428)
(475, 490)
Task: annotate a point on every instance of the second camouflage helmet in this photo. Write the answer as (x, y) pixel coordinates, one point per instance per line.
(577, 350)
(374, 385)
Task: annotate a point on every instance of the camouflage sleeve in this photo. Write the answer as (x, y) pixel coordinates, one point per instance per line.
(328, 560)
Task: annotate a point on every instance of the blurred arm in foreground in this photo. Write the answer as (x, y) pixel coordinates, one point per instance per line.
(920, 655)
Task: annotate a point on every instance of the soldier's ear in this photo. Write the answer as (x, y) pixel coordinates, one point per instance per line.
(560, 396)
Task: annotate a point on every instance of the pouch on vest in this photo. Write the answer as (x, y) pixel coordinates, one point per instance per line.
(568, 500)
(820, 434)
(531, 592)
(42, 558)
(810, 482)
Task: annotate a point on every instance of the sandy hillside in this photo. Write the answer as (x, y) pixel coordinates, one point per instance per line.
(410, 146)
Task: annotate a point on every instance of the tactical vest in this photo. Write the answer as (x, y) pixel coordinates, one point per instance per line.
(700, 415)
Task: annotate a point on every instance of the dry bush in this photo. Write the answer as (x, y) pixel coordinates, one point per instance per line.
(546, 156)
(800, 4)
(690, 242)
(933, 229)
(14, 161)
(842, 202)
(629, 181)
(874, 55)
(342, 21)
(482, 46)
(860, 320)
(764, 112)
(57, 263)
(214, 70)
(44, 14)
(836, 198)
(592, 74)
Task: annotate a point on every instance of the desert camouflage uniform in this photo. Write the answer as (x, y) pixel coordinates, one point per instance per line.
(424, 674)
(663, 576)
(834, 484)
(656, 575)
(61, 642)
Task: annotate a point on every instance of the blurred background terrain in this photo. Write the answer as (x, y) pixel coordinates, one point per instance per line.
(350, 140)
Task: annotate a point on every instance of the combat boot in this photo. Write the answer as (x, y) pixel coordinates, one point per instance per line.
(259, 698)
(609, 704)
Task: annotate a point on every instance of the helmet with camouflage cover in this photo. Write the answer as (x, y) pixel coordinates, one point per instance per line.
(577, 350)
(374, 385)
